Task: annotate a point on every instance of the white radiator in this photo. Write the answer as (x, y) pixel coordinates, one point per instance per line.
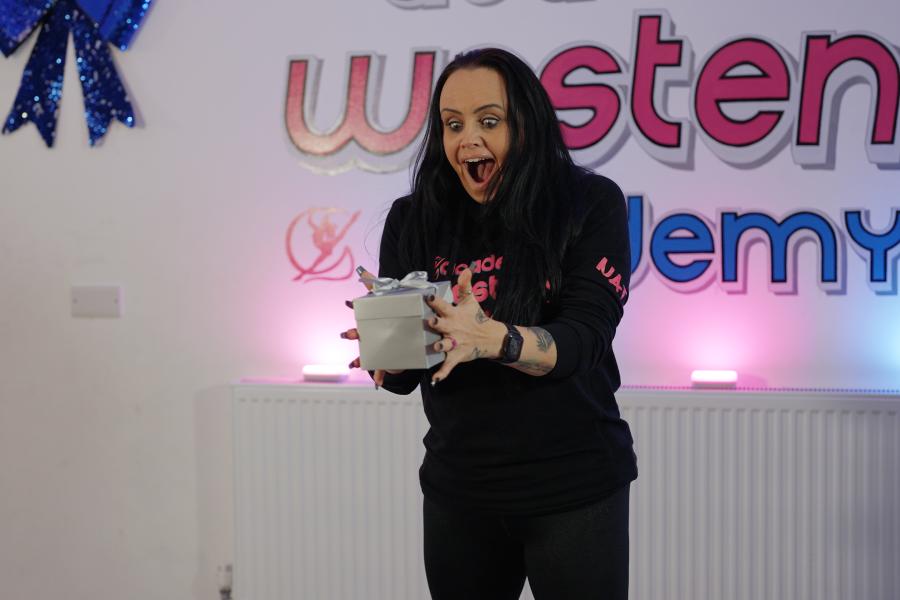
(741, 496)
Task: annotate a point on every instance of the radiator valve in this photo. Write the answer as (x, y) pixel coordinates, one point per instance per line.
(225, 582)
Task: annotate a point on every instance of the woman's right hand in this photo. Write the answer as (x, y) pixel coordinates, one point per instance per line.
(378, 375)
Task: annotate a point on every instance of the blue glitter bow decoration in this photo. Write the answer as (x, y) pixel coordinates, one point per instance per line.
(94, 25)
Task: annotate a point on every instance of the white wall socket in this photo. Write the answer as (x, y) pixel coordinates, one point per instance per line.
(97, 301)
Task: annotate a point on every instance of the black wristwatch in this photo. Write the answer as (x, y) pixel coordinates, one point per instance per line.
(511, 349)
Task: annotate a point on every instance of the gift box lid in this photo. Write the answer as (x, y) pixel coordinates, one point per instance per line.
(403, 302)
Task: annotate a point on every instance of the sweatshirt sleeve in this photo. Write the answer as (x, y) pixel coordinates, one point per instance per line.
(391, 265)
(596, 276)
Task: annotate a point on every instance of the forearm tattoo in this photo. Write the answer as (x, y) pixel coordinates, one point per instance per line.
(544, 339)
(532, 367)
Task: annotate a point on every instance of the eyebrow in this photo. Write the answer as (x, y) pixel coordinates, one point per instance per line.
(479, 109)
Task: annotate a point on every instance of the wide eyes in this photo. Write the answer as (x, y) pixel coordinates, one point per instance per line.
(487, 122)
(490, 122)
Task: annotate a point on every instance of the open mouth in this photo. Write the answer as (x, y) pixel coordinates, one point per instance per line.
(480, 169)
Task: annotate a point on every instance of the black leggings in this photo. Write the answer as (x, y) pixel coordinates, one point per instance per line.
(576, 555)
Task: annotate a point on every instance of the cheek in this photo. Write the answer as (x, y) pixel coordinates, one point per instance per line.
(500, 145)
(449, 153)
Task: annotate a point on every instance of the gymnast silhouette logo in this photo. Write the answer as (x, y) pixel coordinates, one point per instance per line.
(315, 234)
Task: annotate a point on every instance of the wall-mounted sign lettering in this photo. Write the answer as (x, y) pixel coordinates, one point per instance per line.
(747, 100)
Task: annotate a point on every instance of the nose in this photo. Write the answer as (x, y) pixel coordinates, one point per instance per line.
(472, 140)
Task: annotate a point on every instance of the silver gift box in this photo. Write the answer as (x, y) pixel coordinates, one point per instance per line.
(393, 331)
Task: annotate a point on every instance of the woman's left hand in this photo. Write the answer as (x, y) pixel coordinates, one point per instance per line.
(467, 332)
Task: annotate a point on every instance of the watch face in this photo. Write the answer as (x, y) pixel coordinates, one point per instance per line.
(512, 346)
(515, 348)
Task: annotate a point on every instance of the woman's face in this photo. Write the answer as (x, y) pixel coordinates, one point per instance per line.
(475, 132)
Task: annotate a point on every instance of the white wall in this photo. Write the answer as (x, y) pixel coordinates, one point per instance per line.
(114, 434)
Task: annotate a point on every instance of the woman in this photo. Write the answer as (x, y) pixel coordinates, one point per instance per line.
(528, 463)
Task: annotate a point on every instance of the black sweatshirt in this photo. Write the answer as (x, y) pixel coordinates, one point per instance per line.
(504, 442)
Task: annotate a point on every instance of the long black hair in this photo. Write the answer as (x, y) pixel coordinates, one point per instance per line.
(530, 198)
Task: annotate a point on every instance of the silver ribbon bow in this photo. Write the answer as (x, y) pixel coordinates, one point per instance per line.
(412, 280)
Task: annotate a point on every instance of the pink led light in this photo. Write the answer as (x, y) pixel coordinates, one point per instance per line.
(332, 373)
(718, 379)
